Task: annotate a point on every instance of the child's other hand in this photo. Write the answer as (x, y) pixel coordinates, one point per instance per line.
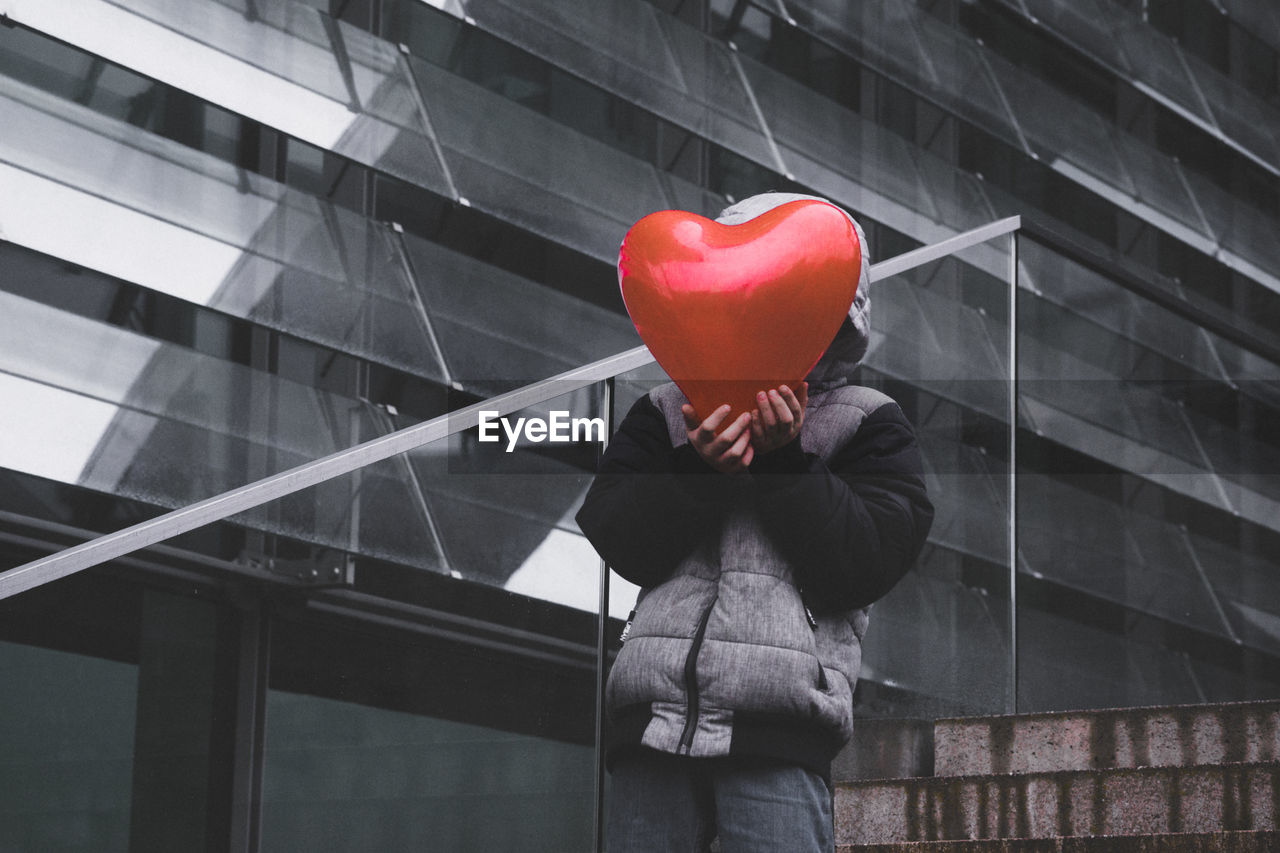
(778, 417)
(730, 452)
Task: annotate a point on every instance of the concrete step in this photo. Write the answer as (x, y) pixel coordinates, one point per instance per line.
(1210, 798)
(1099, 740)
(1198, 842)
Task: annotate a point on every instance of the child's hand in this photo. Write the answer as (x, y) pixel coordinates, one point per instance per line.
(730, 452)
(778, 417)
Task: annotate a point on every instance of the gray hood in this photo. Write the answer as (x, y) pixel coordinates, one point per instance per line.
(850, 343)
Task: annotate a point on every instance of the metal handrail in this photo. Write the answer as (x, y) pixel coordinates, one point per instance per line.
(144, 534)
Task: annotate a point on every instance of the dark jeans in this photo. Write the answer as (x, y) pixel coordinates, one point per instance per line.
(661, 803)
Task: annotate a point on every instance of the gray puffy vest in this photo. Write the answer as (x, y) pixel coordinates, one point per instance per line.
(728, 632)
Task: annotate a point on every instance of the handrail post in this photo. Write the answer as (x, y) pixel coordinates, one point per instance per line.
(1013, 472)
(602, 645)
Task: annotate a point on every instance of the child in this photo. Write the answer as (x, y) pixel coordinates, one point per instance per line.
(758, 552)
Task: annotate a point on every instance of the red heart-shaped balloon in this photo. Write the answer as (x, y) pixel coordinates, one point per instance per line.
(729, 310)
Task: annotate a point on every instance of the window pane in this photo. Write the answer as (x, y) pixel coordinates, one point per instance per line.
(107, 723)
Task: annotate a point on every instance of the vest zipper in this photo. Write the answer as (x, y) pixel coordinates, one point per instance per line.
(691, 681)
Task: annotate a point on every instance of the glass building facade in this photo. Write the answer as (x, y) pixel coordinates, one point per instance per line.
(240, 235)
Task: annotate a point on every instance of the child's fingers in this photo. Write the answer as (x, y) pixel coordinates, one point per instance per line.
(707, 429)
(690, 417)
(739, 446)
(764, 405)
(717, 445)
(782, 411)
(794, 403)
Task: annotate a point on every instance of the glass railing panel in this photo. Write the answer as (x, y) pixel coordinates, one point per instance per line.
(509, 160)
(1156, 61)
(866, 167)
(1130, 409)
(38, 61)
(277, 67)
(929, 336)
(635, 52)
(938, 344)
(1068, 663)
(108, 364)
(1118, 450)
(1240, 228)
(898, 40)
(1158, 185)
(960, 197)
(500, 331)
(1133, 49)
(422, 509)
(524, 497)
(286, 40)
(134, 168)
(1061, 131)
(53, 217)
(166, 54)
(1259, 19)
(1192, 362)
(1059, 128)
(374, 513)
(272, 256)
(162, 461)
(965, 487)
(1243, 117)
(1246, 460)
(1170, 442)
(1127, 557)
(1149, 524)
(1131, 320)
(1246, 585)
(1084, 23)
(955, 637)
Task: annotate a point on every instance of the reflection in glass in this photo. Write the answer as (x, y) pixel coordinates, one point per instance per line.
(643, 56)
(939, 643)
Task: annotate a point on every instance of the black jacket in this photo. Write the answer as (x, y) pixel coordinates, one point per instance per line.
(754, 586)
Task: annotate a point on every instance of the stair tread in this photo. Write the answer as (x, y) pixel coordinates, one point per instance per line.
(1237, 841)
(1111, 802)
(1171, 735)
(1028, 774)
(1135, 709)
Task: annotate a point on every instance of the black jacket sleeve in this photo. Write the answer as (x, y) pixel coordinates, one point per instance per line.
(650, 504)
(854, 526)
